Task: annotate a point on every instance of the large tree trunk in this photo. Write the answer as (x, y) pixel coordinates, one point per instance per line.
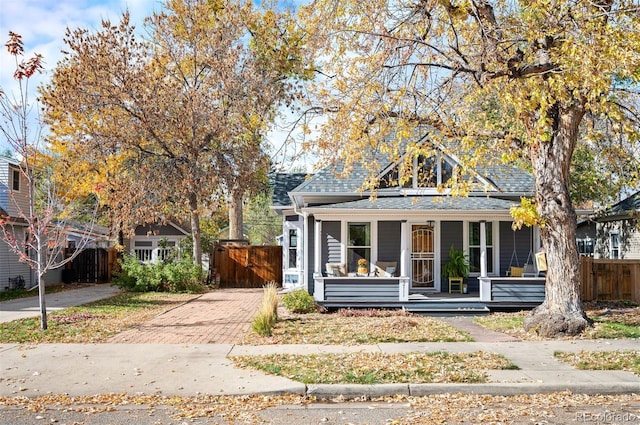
(235, 213)
(195, 229)
(562, 312)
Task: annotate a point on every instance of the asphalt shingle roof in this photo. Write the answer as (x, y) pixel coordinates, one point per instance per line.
(283, 183)
(626, 206)
(430, 203)
(506, 178)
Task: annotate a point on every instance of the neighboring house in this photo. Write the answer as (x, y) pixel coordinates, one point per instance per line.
(292, 227)
(13, 200)
(153, 242)
(618, 230)
(404, 234)
(586, 236)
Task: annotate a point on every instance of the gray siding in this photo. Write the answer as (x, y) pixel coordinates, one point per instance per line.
(521, 292)
(4, 188)
(377, 289)
(331, 238)
(12, 202)
(519, 242)
(10, 267)
(389, 234)
(450, 234)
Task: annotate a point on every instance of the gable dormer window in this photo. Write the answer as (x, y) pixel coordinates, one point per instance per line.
(15, 180)
(427, 172)
(430, 172)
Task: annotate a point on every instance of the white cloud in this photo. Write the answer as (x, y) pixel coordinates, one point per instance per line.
(42, 25)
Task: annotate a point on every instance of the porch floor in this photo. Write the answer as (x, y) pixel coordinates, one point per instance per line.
(436, 304)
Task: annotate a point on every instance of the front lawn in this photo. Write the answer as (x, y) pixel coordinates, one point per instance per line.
(602, 360)
(379, 368)
(94, 322)
(611, 320)
(353, 327)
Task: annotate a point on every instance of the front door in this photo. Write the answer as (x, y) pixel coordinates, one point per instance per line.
(422, 257)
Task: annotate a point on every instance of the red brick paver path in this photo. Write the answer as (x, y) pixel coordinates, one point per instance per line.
(219, 317)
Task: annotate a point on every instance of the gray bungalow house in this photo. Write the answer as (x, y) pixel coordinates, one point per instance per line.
(389, 250)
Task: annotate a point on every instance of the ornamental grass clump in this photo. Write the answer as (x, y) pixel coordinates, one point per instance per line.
(267, 316)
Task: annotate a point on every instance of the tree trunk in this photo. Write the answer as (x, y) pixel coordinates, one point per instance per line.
(235, 213)
(195, 229)
(41, 286)
(561, 313)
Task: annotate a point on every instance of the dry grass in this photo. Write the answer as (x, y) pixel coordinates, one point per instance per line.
(379, 368)
(603, 360)
(95, 322)
(343, 329)
(611, 320)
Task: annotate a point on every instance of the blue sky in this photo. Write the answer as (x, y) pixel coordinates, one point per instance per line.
(42, 25)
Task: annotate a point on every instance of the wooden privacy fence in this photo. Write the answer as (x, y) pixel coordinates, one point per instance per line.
(91, 265)
(603, 279)
(248, 266)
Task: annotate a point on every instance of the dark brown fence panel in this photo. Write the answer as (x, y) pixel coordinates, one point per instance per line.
(89, 266)
(605, 280)
(247, 266)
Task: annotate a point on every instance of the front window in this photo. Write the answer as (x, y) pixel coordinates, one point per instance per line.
(614, 241)
(474, 247)
(293, 248)
(359, 247)
(15, 180)
(585, 247)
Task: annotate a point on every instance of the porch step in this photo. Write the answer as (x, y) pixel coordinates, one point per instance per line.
(449, 308)
(426, 308)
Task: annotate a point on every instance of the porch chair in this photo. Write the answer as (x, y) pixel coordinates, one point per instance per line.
(516, 271)
(386, 268)
(335, 269)
(530, 269)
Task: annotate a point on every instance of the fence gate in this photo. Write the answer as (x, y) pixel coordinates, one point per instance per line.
(89, 266)
(247, 266)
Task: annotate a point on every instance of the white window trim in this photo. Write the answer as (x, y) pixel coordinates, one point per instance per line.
(15, 172)
(495, 225)
(613, 233)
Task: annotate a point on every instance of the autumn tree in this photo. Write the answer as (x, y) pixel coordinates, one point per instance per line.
(40, 214)
(177, 117)
(501, 81)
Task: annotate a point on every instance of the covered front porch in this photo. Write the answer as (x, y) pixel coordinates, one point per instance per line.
(495, 293)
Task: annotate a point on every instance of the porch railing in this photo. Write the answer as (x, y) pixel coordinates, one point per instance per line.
(512, 289)
(361, 289)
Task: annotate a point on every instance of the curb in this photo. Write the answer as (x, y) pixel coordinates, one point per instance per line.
(420, 390)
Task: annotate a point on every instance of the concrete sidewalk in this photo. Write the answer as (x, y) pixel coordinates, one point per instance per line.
(187, 367)
(189, 370)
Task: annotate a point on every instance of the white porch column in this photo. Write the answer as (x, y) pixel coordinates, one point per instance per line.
(483, 249)
(305, 251)
(317, 248)
(404, 249)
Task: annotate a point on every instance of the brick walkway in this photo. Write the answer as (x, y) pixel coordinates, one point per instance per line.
(219, 317)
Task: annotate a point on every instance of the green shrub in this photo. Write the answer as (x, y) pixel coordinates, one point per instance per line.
(299, 301)
(179, 276)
